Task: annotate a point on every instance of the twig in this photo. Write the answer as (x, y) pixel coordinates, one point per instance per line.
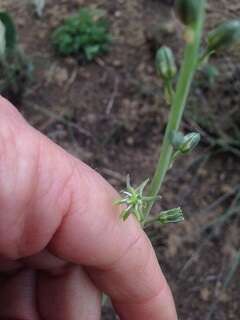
(226, 282)
(113, 96)
(232, 271)
(216, 292)
(81, 152)
(193, 257)
(70, 80)
(219, 201)
(57, 117)
(230, 211)
(114, 174)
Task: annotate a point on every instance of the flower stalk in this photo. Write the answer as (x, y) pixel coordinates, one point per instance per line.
(191, 13)
(179, 102)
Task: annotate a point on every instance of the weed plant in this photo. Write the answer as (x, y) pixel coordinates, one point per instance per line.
(85, 34)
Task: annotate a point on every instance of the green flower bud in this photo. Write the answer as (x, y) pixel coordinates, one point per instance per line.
(176, 139)
(187, 11)
(190, 141)
(184, 143)
(165, 63)
(224, 36)
(171, 216)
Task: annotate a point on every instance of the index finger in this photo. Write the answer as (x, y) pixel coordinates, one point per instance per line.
(119, 256)
(62, 204)
(119, 259)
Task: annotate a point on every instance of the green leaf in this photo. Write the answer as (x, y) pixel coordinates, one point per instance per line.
(91, 51)
(10, 31)
(2, 40)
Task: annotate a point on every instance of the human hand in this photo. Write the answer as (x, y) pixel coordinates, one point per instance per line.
(61, 240)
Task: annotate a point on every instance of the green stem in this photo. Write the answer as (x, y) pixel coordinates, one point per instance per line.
(179, 101)
(169, 92)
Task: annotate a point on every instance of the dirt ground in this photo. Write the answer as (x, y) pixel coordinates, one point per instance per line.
(112, 115)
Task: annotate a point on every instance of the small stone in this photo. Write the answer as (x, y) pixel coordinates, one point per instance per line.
(118, 14)
(227, 188)
(21, 22)
(205, 294)
(203, 172)
(130, 141)
(70, 61)
(61, 75)
(223, 297)
(91, 118)
(117, 63)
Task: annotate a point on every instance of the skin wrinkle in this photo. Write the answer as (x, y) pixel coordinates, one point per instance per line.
(69, 208)
(66, 208)
(75, 173)
(38, 174)
(51, 246)
(41, 172)
(47, 262)
(8, 140)
(107, 224)
(111, 266)
(64, 283)
(11, 157)
(30, 200)
(66, 214)
(104, 270)
(64, 196)
(146, 300)
(140, 272)
(30, 192)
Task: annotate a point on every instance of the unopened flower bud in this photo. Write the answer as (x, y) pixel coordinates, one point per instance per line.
(224, 36)
(187, 11)
(176, 139)
(171, 216)
(165, 63)
(190, 141)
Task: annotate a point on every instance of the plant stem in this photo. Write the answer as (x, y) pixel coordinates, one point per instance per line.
(179, 101)
(169, 92)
